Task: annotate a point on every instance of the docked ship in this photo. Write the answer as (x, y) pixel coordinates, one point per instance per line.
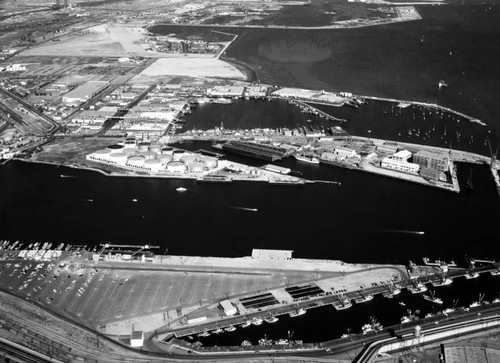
(306, 159)
(256, 150)
(222, 100)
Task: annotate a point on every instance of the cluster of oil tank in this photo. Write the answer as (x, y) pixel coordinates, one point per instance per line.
(154, 157)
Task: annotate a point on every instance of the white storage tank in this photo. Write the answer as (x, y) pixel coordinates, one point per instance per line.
(167, 150)
(143, 146)
(188, 159)
(176, 167)
(156, 148)
(197, 167)
(129, 151)
(154, 164)
(130, 143)
(165, 159)
(119, 158)
(210, 162)
(148, 155)
(177, 154)
(136, 161)
(102, 152)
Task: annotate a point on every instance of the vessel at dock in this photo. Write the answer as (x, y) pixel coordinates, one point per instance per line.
(255, 150)
(297, 312)
(306, 159)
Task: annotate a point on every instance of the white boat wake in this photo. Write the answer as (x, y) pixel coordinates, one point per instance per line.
(245, 209)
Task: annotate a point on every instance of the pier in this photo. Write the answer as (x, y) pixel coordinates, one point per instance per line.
(427, 105)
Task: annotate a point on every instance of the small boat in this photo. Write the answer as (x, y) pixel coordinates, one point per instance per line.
(472, 275)
(230, 328)
(444, 282)
(271, 320)
(218, 331)
(418, 289)
(204, 334)
(442, 83)
(433, 299)
(181, 189)
(364, 298)
(134, 200)
(495, 273)
(297, 312)
(246, 324)
(257, 321)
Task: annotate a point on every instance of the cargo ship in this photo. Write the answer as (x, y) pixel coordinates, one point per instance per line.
(307, 159)
(255, 150)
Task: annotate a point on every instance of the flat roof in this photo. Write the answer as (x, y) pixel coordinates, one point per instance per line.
(430, 154)
(278, 254)
(87, 89)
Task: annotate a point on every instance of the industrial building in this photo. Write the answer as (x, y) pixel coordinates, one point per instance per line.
(91, 117)
(432, 160)
(343, 153)
(84, 92)
(226, 91)
(403, 166)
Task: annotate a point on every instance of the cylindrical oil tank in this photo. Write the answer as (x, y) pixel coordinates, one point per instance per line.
(130, 143)
(187, 159)
(178, 154)
(167, 150)
(156, 148)
(210, 162)
(102, 152)
(137, 160)
(119, 158)
(148, 155)
(143, 145)
(116, 148)
(129, 151)
(153, 164)
(176, 167)
(196, 167)
(165, 159)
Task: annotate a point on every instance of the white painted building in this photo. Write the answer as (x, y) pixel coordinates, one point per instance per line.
(403, 155)
(401, 166)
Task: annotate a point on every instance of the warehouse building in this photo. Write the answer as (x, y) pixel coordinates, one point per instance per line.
(84, 92)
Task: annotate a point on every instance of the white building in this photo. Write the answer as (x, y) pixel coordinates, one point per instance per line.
(343, 153)
(403, 155)
(229, 308)
(402, 166)
(91, 117)
(85, 92)
(137, 339)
